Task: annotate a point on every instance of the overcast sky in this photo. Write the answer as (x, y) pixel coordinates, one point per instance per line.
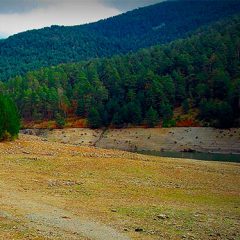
(20, 15)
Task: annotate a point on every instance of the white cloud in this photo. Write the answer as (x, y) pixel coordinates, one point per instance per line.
(55, 12)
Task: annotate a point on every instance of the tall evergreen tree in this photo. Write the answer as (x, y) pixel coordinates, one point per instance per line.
(94, 119)
(151, 117)
(9, 118)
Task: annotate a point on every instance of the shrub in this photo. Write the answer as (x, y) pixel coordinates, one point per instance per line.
(60, 121)
(169, 123)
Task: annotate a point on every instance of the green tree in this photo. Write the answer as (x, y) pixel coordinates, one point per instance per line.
(224, 115)
(9, 118)
(221, 84)
(185, 106)
(60, 121)
(94, 119)
(80, 111)
(134, 113)
(117, 120)
(151, 117)
(166, 111)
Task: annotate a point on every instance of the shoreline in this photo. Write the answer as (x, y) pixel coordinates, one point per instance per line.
(190, 139)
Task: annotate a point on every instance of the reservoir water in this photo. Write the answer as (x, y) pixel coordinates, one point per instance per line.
(196, 155)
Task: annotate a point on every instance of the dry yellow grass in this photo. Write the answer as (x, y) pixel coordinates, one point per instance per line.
(164, 198)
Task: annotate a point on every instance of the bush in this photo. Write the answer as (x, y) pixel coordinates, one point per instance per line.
(60, 121)
(169, 123)
(7, 136)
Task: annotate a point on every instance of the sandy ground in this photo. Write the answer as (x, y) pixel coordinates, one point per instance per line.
(158, 139)
(59, 191)
(60, 222)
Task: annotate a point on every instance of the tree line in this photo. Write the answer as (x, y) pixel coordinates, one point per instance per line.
(200, 72)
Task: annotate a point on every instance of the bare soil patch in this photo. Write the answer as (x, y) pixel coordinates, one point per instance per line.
(158, 139)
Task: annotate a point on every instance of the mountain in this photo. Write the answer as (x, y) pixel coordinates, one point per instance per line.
(144, 27)
(201, 72)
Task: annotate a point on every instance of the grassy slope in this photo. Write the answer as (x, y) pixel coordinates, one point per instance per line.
(122, 190)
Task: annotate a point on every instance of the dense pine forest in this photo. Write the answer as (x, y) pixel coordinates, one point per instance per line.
(145, 27)
(200, 72)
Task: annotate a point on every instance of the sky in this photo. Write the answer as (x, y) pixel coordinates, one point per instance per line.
(21, 15)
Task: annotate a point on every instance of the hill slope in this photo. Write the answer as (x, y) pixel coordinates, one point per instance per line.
(200, 72)
(60, 191)
(144, 27)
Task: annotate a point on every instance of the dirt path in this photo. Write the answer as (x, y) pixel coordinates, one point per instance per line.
(51, 221)
(100, 137)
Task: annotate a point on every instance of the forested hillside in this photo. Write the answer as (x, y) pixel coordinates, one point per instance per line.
(202, 72)
(144, 27)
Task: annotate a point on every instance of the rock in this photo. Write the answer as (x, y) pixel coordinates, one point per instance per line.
(189, 150)
(25, 152)
(113, 210)
(53, 183)
(191, 236)
(162, 216)
(138, 229)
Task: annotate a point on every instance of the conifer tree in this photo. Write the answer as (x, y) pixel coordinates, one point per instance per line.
(151, 117)
(94, 119)
(9, 118)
